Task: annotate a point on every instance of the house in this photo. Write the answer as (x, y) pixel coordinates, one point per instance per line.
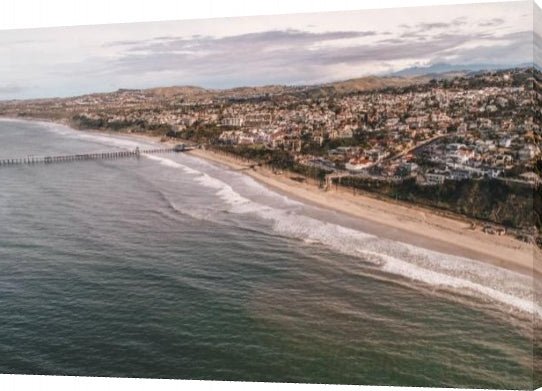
(358, 164)
(530, 177)
(528, 152)
(433, 178)
(233, 121)
(505, 142)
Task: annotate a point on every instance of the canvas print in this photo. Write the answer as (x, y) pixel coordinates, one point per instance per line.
(344, 198)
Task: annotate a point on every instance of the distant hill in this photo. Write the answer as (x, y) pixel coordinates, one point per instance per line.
(375, 82)
(199, 92)
(170, 92)
(352, 85)
(403, 78)
(441, 68)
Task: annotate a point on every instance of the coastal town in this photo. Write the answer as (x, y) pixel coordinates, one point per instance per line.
(424, 133)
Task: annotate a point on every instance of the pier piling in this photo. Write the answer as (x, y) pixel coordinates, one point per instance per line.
(30, 160)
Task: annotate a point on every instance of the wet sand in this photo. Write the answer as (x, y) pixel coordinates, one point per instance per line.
(409, 224)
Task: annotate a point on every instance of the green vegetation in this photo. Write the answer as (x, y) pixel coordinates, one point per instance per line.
(275, 158)
(199, 132)
(510, 205)
(84, 122)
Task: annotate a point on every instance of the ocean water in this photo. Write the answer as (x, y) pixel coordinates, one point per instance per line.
(169, 266)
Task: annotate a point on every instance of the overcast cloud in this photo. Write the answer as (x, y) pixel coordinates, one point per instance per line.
(291, 49)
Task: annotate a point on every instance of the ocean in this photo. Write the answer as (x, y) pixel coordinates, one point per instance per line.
(169, 266)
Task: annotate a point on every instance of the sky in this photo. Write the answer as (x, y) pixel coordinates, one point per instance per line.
(251, 51)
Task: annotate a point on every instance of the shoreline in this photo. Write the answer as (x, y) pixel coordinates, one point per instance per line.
(411, 224)
(408, 224)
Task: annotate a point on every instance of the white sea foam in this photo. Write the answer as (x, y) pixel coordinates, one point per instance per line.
(223, 190)
(415, 263)
(409, 261)
(256, 186)
(110, 141)
(250, 183)
(172, 164)
(96, 138)
(238, 203)
(415, 272)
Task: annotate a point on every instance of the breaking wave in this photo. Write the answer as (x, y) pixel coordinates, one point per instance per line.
(104, 139)
(436, 269)
(411, 262)
(170, 163)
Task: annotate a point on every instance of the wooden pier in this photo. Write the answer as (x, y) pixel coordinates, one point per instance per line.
(31, 160)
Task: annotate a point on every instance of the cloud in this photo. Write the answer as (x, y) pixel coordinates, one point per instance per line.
(424, 31)
(262, 40)
(537, 49)
(432, 26)
(268, 56)
(428, 26)
(294, 56)
(119, 43)
(11, 89)
(537, 38)
(279, 51)
(492, 22)
(292, 51)
(513, 48)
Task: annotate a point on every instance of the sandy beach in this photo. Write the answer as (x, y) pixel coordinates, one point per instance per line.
(410, 224)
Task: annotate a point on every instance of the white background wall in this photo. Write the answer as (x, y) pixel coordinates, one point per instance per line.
(45, 13)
